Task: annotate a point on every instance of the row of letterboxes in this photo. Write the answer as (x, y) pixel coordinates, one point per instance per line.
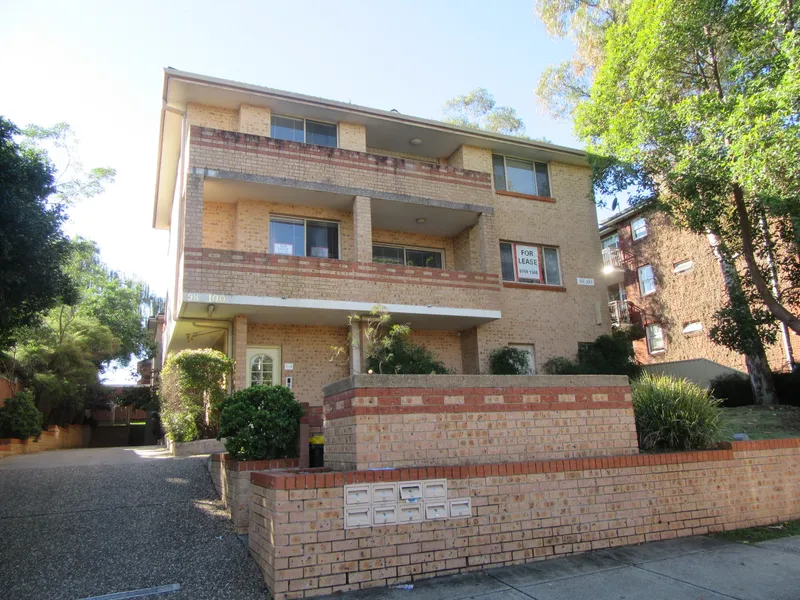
(368, 505)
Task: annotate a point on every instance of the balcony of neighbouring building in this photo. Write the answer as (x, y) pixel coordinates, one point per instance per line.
(615, 263)
(624, 313)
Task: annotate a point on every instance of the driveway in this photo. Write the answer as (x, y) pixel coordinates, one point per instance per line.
(81, 523)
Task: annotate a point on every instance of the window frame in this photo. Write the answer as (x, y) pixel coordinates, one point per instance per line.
(440, 251)
(677, 271)
(542, 266)
(634, 237)
(642, 293)
(692, 331)
(305, 128)
(535, 182)
(296, 220)
(650, 349)
(608, 237)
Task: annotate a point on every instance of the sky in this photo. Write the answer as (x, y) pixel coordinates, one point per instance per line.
(99, 67)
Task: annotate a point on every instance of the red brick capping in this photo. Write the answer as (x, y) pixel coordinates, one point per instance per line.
(400, 401)
(232, 464)
(534, 286)
(306, 266)
(308, 480)
(525, 196)
(256, 144)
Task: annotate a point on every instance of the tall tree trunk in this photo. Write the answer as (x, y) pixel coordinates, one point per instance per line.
(776, 288)
(757, 365)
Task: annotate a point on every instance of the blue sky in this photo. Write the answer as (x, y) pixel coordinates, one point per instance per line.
(98, 66)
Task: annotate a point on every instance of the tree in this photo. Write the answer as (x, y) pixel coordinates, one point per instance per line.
(479, 110)
(33, 249)
(700, 99)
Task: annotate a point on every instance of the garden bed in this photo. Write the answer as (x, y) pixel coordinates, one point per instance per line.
(209, 446)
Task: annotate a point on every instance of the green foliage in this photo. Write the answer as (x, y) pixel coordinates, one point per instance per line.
(390, 351)
(742, 325)
(192, 388)
(732, 390)
(674, 414)
(479, 110)
(260, 422)
(509, 361)
(33, 249)
(607, 355)
(19, 417)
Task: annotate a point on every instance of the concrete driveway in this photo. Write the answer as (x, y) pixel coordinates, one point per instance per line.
(81, 523)
(699, 568)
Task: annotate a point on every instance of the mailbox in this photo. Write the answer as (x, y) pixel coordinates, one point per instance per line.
(384, 492)
(435, 489)
(357, 516)
(435, 510)
(409, 512)
(460, 508)
(410, 491)
(384, 514)
(356, 494)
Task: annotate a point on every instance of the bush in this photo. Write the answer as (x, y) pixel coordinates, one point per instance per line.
(509, 361)
(192, 387)
(674, 413)
(260, 422)
(732, 390)
(19, 417)
(787, 386)
(607, 355)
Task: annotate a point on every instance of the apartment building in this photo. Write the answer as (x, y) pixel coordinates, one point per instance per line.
(668, 281)
(288, 214)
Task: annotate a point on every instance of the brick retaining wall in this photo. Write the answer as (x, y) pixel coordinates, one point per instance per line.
(521, 512)
(456, 420)
(54, 438)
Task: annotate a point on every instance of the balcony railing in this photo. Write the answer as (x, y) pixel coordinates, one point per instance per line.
(624, 312)
(613, 258)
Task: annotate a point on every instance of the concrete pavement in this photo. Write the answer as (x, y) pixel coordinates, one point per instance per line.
(698, 568)
(81, 523)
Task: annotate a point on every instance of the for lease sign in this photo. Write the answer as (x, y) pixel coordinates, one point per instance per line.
(528, 262)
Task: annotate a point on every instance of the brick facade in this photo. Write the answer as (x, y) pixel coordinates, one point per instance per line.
(521, 512)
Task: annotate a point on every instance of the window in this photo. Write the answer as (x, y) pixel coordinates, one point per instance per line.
(683, 266)
(261, 370)
(304, 131)
(304, 237)
(647, 281)
(612, 241)
(531, 352)
(411, 257)
(521, 176)
(529, 264)
(655, 339)
(693, 327)
(639, 228)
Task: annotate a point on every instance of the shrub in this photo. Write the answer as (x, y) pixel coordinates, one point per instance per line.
(19, 417)
(733, 390)
(674, 413)
(260, 422)
(787, 386)
(509, 361)
(192, 387)
(607, 355)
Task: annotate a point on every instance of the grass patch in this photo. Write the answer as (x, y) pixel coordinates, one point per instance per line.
(761, 422)
(753, 535)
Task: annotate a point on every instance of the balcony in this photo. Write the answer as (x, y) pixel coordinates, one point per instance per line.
(624, 313)
(318, 291)
(615, 263)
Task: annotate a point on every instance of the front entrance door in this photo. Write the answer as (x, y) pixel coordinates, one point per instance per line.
(263, 365)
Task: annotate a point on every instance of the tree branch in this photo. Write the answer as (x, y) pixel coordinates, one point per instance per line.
(773, 305)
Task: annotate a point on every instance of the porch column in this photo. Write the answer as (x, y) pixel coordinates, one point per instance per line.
(362, 229)
(240, 352)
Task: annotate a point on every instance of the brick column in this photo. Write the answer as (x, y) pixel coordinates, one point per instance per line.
(356, 354)
(362, 229)
(193, 216)
(489, 244)
(240, 352)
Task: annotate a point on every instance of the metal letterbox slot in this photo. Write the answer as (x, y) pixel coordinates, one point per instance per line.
(384, 492)
(435, 490)
(435, 511)
(356, 494)
(411, 491)
(460, 508)
(384, 514)
(357, 517)
(409, 512)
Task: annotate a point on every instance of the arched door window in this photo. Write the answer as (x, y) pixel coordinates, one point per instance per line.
(261, 370)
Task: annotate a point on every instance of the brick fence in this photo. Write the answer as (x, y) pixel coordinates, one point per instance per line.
(380, 421)
(54, 438)
(520, 512)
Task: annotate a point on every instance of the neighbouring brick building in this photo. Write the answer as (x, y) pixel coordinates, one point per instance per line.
(288, 213)
(668, 280)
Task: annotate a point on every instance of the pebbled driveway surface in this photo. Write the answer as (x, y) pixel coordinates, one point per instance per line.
(81, 523)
